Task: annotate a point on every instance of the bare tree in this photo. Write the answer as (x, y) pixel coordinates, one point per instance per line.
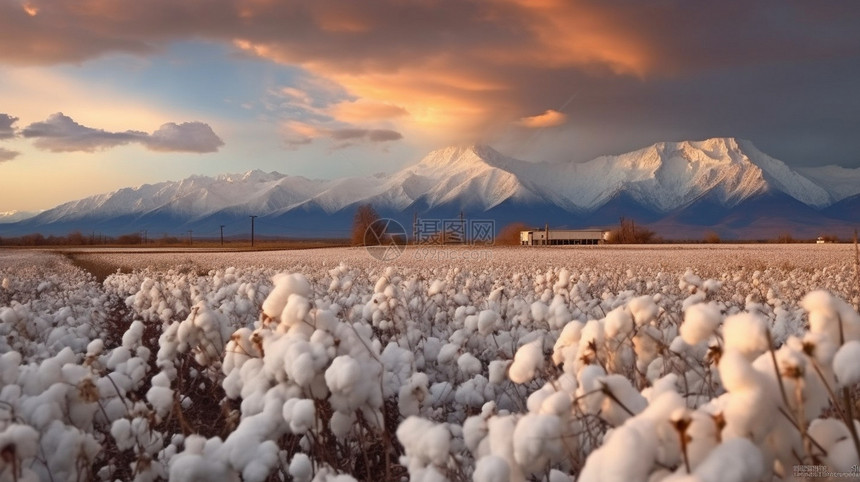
(629, 233)
(366, 231)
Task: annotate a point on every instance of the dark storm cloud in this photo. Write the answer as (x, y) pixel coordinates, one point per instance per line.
(777, 72)
(60, 133)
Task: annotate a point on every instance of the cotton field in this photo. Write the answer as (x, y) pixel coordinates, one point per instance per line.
(736, 363)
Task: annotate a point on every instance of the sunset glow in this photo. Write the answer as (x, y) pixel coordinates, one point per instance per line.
(283, 85)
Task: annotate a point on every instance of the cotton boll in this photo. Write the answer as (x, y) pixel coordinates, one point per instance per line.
(469, 365)
(487, 321)
(735, 460)
(746, 333)
(826, 313)
(412, 394)
(161, 399)
(846, 364)
(618, 323)
(133, 335)
(700, 321)
(497, 371)
(447, 353)
(300, 414)
(18, 441)
(527, 361)
(424, 441)
(491, 468)
(121, 432)
(627, 454)
(537, 441)
(301, 469)
(623, 398)
(643, 309)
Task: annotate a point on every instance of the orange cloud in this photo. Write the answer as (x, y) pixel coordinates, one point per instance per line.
(362, 110)
(550, 118)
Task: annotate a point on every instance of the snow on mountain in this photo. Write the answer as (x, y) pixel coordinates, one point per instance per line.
(15, 216)
(839, 181)
(663, 177)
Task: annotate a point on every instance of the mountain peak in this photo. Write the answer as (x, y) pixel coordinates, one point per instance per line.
(459, 156)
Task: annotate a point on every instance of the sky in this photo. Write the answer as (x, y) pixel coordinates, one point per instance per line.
(96, 95)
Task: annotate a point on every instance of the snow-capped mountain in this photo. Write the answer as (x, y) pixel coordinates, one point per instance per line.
(681, 186)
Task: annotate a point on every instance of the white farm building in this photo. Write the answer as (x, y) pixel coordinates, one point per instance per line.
(561, 237)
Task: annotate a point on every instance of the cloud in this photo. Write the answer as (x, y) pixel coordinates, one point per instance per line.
(550, 118)
(185, 137)
(472, 68)
(6, 129)
(372, 135)
(298, 133)
(361, 110)
(60, 133)
(7, 155)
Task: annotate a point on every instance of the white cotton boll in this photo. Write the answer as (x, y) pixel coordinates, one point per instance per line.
(432, 347)
(424, 440)
(735, 460)
(711, 286)
(628, 454)
(95, 348)
(161, 399)
(614, 409)
(469, 365)
(295, 313)
(846, 364)
(436, 287)
(121, 432)
(643, 309)
(341, 424)
(736, 372)
(527, 361)
(700, 321)
(487, 321)
(591, 337)
(826, 312)
(497, 371)
(19, 441)
(539, 311)
(301, 468)
(618, 323)
(9, 367)
(132, 336)
(447, 353)
(589, 382)
(470, 323)
(412, 394)
(746, 333)
(568, 337)
(492, 468)
(300, 414)
(285, 285)
(537, 441)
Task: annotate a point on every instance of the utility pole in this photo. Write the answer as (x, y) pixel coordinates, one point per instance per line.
(252, 230)
(462, 228)
(415, 227)
(190, 239)
(144, 237)
(222, 235)
(546, 231)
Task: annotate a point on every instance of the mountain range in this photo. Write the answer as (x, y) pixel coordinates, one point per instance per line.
(679, 189)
